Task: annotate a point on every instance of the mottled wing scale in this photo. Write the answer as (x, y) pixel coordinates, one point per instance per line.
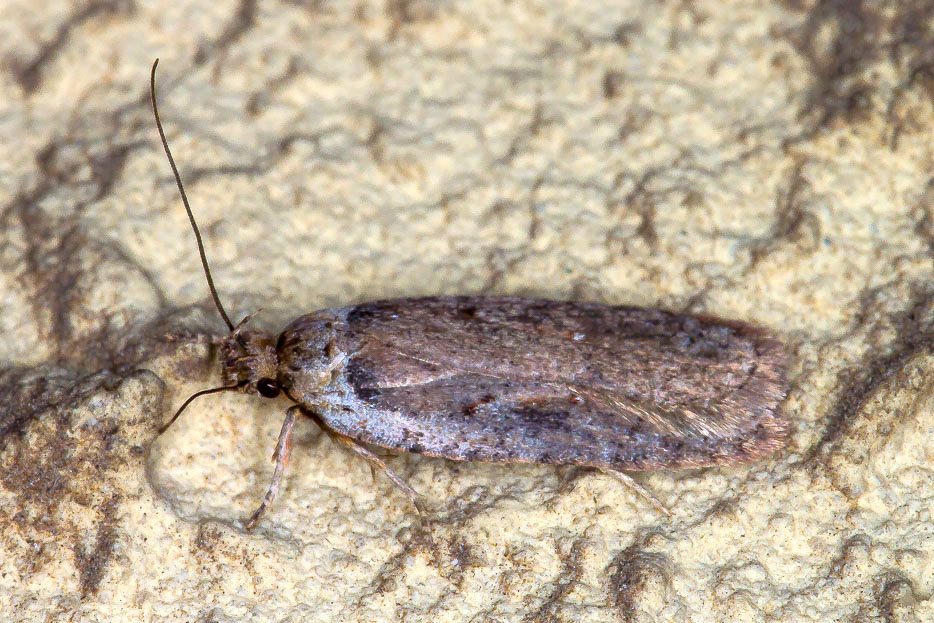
(513, 379)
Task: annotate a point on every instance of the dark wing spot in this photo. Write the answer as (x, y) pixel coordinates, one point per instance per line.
(360, 312)
(361, 379)
(471, 409)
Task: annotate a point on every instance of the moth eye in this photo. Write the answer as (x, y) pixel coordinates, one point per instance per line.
(267, 388)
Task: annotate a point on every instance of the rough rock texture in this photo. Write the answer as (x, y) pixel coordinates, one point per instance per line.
(771, 163)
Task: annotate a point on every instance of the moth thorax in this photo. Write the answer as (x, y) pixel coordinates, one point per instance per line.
(249, 358)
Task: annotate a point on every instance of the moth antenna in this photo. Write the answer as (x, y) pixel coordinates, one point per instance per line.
(203, 392)
(191, 217)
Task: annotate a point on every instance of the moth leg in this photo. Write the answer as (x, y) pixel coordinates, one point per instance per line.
(635, 486)
(281, 456)
(378, 463)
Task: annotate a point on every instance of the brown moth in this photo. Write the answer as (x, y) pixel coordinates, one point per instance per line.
(512, 379)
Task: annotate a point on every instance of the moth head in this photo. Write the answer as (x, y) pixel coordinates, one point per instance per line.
(249, 362)
(248, 357)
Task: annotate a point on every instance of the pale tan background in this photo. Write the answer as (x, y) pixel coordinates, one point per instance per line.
(767, 162)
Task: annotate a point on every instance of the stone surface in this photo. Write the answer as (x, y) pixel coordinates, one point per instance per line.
(764, 162)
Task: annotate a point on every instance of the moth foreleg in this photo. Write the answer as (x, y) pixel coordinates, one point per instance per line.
(636, 487)
(281, 456)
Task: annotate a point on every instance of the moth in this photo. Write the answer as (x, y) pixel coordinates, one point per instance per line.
(511, 379)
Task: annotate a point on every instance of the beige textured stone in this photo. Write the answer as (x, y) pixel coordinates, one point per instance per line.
(764, 162)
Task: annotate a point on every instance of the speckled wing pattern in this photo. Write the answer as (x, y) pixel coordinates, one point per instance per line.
(515, 379)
